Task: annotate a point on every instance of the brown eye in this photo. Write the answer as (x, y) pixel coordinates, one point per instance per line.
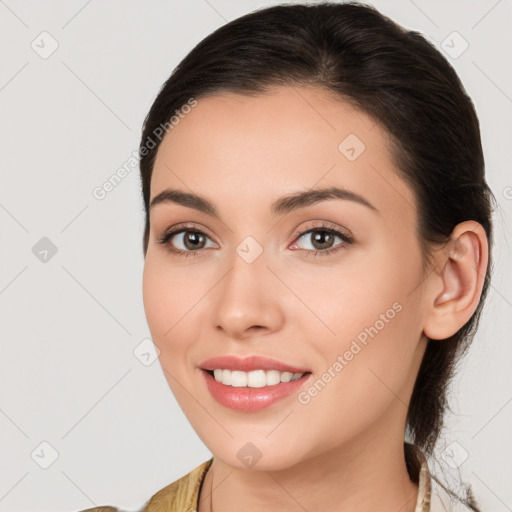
(183, 240)
(193, 240)
(323, 239)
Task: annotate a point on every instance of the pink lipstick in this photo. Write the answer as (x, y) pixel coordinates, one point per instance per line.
(242, 396)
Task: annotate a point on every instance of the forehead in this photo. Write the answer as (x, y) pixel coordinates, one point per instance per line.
(287, 139)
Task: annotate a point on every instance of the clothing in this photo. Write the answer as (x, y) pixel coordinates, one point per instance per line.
(183, 494)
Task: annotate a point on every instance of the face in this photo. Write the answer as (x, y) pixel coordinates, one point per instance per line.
(331, 285)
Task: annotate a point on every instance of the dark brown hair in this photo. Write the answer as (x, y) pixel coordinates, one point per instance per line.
(402, 82)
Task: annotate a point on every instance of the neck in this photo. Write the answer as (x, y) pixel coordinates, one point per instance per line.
(365, 474)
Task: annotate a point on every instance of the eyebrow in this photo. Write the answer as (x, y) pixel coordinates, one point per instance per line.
(281, 206)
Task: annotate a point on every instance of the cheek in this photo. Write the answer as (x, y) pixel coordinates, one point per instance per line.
(343, 303)
(375, 326)
(156, 300)
(167, 300)
(360, 380)
(169, 297)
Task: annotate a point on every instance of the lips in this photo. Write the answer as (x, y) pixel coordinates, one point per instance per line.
(250, 400)
(248, 364)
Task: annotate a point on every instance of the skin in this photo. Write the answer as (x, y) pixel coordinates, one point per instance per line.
(343, 450)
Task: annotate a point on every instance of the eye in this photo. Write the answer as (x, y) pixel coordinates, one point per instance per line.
(184, 240)
(188, 240)
(323, 239)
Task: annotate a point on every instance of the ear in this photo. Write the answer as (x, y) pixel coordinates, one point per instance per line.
(455, 285)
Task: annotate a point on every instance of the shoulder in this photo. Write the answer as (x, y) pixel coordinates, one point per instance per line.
(101, 509)
(432, 495)
(442, 501)
(179, 496)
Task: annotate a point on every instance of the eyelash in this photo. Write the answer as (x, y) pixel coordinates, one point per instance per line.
(347, 240)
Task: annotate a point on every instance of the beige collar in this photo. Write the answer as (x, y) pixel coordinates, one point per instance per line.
(424, 487)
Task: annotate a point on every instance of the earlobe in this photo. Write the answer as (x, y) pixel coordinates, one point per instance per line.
(457, 286)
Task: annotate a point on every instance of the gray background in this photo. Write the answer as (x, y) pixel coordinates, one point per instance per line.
(71, 370)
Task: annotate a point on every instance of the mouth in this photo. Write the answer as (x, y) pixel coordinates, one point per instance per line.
(247, 364)
(242, 395)
(258, 378)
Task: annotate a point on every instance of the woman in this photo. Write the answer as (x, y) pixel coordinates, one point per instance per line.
(317, 253)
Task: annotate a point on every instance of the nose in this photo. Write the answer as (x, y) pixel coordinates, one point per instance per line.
(248, 301)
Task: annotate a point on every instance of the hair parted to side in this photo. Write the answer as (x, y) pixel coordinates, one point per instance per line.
(401, 81)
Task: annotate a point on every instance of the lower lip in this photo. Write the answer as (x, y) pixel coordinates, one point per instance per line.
(251, 399)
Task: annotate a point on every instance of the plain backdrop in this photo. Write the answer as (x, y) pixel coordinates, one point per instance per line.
(85, 420)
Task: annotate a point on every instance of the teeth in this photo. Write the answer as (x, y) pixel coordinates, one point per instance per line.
(253, 379)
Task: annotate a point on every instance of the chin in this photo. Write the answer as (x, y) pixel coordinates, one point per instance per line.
(255, 456)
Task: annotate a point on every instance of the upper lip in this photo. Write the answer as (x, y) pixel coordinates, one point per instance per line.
(248, 364)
